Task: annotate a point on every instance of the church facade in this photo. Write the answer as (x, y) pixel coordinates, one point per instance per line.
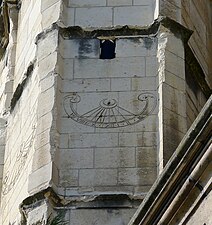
(95, 97)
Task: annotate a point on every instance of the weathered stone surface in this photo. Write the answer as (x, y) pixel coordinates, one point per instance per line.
(146, 156)
(47, 65)
(142, 2)
(135, 17)
(93, 140)
(141, 139)
(131, 47)
(93, 17)
(144, 83)
(114, 157)
(38, 214)
(86, 3)
(48, 45)
(171, 8)
(91, 127)
(51, 15)
(76, 158)
(87, 85)
(119, 3)
(120, 84)
(40, 179)
(97, 177)
(103, 217)
(202, 214)
(68, 178)
(118, 67)
(137, 176)
(80, 48)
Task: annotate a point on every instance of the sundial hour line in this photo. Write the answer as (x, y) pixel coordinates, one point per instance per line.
(109, 114)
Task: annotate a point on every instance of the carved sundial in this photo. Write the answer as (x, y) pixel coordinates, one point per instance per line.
(108, 113)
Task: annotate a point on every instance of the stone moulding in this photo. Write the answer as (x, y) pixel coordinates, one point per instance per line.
(79, 202)
(75, 32)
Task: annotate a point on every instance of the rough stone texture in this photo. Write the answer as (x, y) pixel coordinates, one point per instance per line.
(38, 214)
(81, 124)
(197, 17)
(195, 98)
(2, 149)
(202, 215)
(100, 217)
(93, 17)
(170, 8)
(86, 3)
(100, 157)
(27, 149)
(172, 92)
(119, 2)
(107, 13)
(134, 15)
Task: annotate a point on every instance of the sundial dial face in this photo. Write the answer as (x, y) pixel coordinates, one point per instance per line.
(108, 113)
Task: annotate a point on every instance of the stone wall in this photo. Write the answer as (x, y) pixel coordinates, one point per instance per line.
(19, 149)
(27, 161)
(105, 13)
(195, 99)
(96, 131)
(118, 152)
(196, 15)
(2, 148)
(172, 92)
(171, 9)
(29, 25)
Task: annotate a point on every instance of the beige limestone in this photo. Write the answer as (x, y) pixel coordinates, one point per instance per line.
(49, 145)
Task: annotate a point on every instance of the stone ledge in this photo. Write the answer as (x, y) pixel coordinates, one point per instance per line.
(81, 202)
(75, 32)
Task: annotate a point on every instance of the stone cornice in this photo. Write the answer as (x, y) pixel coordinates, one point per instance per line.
(81, 201)
(177, 29)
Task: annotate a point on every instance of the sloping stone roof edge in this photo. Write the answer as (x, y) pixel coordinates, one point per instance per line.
(184, 154)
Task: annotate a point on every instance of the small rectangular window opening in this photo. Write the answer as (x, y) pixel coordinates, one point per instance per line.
(107, 49)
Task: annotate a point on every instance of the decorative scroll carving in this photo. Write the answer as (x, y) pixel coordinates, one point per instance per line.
(109, 114)
(13, 174)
